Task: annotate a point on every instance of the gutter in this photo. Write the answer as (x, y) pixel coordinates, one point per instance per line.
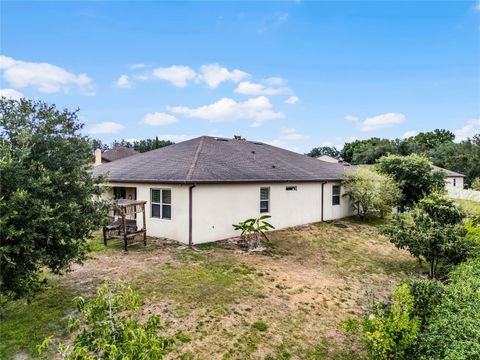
(190, 215)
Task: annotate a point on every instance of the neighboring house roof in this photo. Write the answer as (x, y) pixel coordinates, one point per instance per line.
(218, 160)
(328, 158)
(449, 173)
(117, 153)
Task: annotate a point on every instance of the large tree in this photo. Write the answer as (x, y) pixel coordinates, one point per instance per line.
(49, 200)
(414, 175)
(324, 150)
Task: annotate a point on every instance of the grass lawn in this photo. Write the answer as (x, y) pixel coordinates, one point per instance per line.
(285, 303)
(470, 206)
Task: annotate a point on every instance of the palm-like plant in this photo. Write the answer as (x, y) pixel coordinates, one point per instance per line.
(253, 229)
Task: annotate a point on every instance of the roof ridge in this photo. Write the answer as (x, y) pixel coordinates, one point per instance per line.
(195, 159)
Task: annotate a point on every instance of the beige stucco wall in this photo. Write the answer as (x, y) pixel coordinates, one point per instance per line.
(449, 180)
(217, 207)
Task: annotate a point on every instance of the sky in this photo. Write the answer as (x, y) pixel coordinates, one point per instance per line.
(295, 74)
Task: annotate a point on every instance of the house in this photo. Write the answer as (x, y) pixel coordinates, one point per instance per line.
(195, 190)
(329, 158)
(452, 178)
(117, 153)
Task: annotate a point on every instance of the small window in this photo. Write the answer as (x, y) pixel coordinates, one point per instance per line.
(264, 199)
(291, 188)
(454, 182)
(161, 203)
(336, 195)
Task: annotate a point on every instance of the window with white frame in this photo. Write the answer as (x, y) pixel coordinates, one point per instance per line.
(336, 195)
(161, 200)
(264, 199)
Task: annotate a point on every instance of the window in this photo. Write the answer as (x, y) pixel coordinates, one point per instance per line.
(119, 193)
(264, 199)
(161, 203)
(454, 182)
(291, 188)
(336, 195)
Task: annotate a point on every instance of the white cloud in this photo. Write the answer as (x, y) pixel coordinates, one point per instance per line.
(213, 75)
(477, 6)
(132, 140)
(471, 128)
(45, 77)
(158, 118)
(108, 127)
(382, 121)
(351, 118)
(178, 75)
(137, 66)
(291, 134)
(124, 82)
(141, 77)
(250, 88)
(11, 94)
(292, 100)
(176, 137)
(274, 81)
(408, 134)
(258, 109)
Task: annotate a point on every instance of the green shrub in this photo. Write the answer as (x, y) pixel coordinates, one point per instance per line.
(427, 295)
(390, 331)
(106, 330)
(453, 331)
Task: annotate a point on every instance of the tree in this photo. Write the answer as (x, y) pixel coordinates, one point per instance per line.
(435, 233)
(143, 145)
(49, 202)
(368, 151)
(372, 194)
(476, 184)
(324, 150)
(106, 329)
(414, 175)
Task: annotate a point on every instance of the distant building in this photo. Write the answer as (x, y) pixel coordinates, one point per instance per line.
(117, 153)
(452, 178)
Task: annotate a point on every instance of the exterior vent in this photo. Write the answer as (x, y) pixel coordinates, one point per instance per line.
(221, 139)
(291, 188)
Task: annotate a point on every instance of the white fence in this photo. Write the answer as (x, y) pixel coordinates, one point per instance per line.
(467, 194)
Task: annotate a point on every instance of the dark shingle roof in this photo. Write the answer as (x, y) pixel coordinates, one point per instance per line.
(217, 160)
(448, 172)
(117, 153)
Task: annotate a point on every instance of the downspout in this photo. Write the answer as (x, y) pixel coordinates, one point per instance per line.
(190, 214)
(323, 198)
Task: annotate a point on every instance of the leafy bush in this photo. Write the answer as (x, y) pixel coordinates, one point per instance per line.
(434, 233)
(106, 329)
(372, 194)
(253, 229)
(427, 295)
(390, 331)
(453, 331)
(476, 184)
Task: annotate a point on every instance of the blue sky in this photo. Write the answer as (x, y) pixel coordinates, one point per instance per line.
(294, 74)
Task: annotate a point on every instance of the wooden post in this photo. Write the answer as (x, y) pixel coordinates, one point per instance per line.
(104, 236)
(124, 226)
(144, 226)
